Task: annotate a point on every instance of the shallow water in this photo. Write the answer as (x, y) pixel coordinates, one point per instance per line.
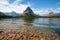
(17, 23)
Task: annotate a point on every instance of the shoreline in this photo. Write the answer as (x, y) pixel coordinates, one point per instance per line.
(28, 33)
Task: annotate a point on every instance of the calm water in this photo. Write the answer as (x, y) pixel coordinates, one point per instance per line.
(16, 23)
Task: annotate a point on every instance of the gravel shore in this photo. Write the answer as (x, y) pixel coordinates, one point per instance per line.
(29, 33)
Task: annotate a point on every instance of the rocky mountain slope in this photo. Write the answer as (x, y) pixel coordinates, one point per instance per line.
(28, 12)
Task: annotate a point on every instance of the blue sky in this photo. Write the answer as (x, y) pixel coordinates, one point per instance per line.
(42, 3)
(38, 6)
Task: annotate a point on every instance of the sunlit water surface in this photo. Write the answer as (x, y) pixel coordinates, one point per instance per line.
(17, 23)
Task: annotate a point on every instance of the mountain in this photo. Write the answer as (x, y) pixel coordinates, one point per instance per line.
(56, 14)
(28, 12)
(13, 14)
(52, 14)
(2, 14)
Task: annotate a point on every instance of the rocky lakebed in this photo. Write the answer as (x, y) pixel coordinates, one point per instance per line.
(29, 33)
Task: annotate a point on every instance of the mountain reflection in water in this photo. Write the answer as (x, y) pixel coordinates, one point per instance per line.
(38, 22)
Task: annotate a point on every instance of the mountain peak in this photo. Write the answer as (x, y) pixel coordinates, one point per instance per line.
(28, 7)
(28, 10)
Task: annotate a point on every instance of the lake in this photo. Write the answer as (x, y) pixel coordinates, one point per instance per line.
(17, 23)
(30, 28)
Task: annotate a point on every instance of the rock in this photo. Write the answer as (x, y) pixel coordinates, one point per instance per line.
(1, 31)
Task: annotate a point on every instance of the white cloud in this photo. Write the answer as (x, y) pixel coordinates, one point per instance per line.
(5, 2)
(43, 11)
(18, 1)
(18, 9)
(57, 10)
(6, 7)
(37, 11)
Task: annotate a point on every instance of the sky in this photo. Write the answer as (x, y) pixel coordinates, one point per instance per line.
(38, 6)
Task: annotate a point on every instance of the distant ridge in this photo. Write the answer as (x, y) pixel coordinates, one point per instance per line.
(9, 14)
(12, 14)
(2, 15)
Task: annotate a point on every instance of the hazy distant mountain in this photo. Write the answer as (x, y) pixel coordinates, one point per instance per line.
(52, 14)
(2, 14)
(56, 14)
(13, 14)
